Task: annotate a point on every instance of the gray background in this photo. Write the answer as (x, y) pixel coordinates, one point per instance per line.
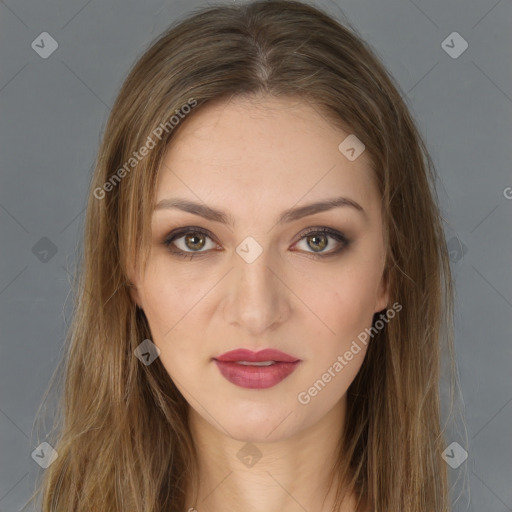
(53, 112)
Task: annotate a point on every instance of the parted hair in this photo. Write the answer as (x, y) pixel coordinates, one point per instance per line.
(121, 429)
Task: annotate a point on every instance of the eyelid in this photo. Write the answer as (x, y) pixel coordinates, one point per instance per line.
(180, 233)
(339, 236)
(334, 233)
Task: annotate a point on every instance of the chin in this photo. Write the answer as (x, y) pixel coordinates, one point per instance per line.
(260, 425)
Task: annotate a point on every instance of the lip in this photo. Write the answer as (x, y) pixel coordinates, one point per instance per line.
(256, 377)
(268, 354)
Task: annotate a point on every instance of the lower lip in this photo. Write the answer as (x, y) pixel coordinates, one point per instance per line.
(255, 377)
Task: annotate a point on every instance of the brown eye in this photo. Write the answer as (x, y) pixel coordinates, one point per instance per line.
(317, 243)
(186, 242)
(190, 242)
(317, 239)
(195, 241)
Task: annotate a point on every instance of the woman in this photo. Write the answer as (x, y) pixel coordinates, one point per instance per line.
(264, 283)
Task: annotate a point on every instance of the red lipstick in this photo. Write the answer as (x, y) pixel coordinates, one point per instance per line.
(256, 370)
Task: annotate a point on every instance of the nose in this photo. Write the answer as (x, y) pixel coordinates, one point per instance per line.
(258, 298)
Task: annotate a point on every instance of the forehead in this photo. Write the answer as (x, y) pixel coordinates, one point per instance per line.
(263, 153)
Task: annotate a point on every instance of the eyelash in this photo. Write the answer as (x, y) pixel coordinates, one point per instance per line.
(336, 235)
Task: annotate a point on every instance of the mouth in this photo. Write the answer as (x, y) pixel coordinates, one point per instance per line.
(256, 370)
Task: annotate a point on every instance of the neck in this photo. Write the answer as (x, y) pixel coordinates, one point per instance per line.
(290, 475)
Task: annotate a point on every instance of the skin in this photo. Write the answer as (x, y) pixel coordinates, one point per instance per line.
(253, 159)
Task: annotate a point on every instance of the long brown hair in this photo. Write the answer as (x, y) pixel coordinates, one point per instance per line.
(121, 430)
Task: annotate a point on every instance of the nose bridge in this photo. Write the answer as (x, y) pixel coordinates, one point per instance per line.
(258, 300)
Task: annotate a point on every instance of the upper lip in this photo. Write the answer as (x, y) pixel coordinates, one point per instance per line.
(268, 354)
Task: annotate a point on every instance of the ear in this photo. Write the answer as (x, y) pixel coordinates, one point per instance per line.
(382, 297)
(132, 288)
(134, 294)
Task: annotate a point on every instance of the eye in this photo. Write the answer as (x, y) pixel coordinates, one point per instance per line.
(193, 238)
(318, 239)
(190, 242)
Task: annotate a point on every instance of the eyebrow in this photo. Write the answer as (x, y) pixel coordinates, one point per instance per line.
(287, 216)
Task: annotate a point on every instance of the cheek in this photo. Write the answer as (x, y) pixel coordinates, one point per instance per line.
(169, 291)
(343, 310)
(170, 304)
(335, 353)
(351, 306)
(344, 300)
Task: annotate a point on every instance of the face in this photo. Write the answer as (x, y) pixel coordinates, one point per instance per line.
(256, 276)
